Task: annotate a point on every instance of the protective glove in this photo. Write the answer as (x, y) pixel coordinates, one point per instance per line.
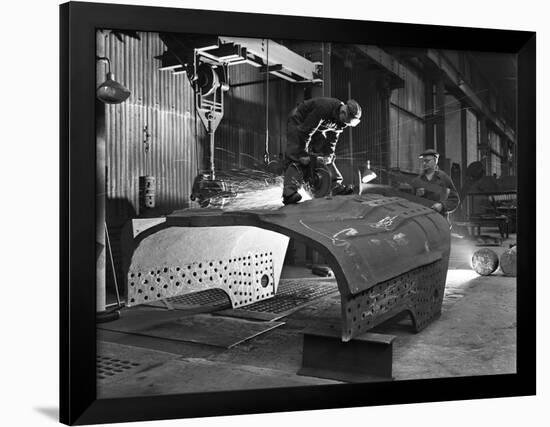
(325, 160)
(437, 207)
(304, 160)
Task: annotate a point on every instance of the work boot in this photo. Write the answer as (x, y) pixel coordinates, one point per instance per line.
(342, 190)
(292, 198)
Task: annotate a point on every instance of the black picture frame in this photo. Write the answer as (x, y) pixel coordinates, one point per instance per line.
(78, 402)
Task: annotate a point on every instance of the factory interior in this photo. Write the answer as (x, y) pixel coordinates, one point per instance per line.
(208, 282)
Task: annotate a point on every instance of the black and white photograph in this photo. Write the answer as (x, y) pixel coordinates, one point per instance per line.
(283, 213)
(278, 214)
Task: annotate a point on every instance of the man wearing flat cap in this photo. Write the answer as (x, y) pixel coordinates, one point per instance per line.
(314, 127)
(435, 185)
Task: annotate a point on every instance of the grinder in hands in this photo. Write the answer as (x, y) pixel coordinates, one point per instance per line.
(313, 129)
(324, 178)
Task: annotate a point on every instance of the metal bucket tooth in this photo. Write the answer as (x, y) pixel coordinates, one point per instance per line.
(389, 254)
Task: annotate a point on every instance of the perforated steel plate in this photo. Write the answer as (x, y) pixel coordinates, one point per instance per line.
(199, 328)
(246, 279)
(420, 291)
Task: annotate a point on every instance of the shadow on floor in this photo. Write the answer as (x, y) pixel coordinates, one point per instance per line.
(52, 412)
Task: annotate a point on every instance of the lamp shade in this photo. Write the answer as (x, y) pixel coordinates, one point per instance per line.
(112, 92)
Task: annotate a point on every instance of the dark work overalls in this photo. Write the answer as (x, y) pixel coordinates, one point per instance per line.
(313, 127)
(441, 189)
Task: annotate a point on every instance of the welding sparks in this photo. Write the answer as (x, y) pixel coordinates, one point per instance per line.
(305, 193)
(242, 189)
(252, 195)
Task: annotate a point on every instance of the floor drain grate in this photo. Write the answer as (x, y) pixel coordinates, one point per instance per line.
(108, 367)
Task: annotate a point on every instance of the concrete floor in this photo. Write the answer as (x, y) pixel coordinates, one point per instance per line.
(475, 335)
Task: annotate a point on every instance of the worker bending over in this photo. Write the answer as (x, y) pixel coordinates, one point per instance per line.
(313, 128)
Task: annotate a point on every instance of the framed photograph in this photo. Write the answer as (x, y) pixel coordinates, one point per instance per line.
(265, 213)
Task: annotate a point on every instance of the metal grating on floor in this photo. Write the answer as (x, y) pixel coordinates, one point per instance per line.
(207, 297)
(108, 367)
(291, 296)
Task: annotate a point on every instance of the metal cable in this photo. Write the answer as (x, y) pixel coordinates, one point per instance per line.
(196, 129)
(266, 154)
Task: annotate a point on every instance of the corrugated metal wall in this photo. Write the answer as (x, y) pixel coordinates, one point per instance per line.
(472, 132)
(453, 130)
(164, 102)
(376, 125)
(369, 140)
(407, 129)
(240, 138)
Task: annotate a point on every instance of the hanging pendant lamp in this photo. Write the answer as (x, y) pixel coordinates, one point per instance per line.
(111, 91)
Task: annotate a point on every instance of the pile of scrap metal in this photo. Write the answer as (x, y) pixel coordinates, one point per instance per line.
(389, 252)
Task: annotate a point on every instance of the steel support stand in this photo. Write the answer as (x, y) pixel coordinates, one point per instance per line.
(366, 358)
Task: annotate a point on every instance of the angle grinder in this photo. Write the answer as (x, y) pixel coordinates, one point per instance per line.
(319, 176)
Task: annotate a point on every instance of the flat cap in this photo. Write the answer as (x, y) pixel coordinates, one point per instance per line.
(429, 152)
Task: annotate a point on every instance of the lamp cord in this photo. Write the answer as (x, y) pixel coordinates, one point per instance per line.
(105, 59)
